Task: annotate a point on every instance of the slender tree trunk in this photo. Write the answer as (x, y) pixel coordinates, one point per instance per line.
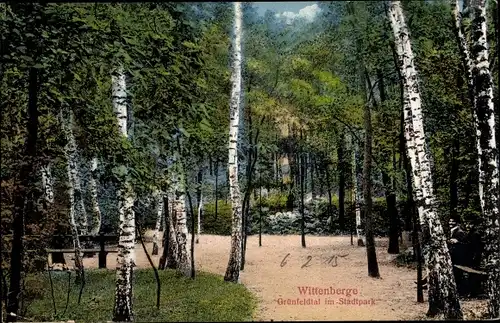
(172, 258)
(302, 177)
(23, 184)
(488, 165)
(48, 187)
(371, 253)
(359, 228)
(74, 173)
(234, 264)
(443, 296)
(313, 187)
(455, 150)
(123, 308)
(341, 172)
(166, 234)
(216, 187)
(181, 230)
(329, 190)
(159, 213)
(96, 211)
(69, 152)
(260, 212)
(200, 204)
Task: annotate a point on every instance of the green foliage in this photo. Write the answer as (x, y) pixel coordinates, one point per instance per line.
(208, 298)
(220, 225)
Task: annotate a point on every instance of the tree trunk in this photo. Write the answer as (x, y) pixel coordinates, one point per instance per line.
(200, 205)
(301, 178)
(390, 198)
(488, 159)
(166, 234)
(172, 258)
(359, 228)
(159, 213)
(216, 187)
(181, 230)
(329, 190)
(371, 253)
(23, 184)
(234, 264)
(96, 211)
(442, 290)
(69, 152)
(48, 187)
(126, 244)
(74, 174)
(341, 172)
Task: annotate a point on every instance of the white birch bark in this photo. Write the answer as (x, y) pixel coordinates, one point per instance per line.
(359, 230)
(48, 188)
(126, 245)
(233, 267)
(443, 297)
(96, 211)
(172, 251)
(74, 174)
(200, 208)
(159, 215)
(181, 230)
(74, 227)
(488, 158)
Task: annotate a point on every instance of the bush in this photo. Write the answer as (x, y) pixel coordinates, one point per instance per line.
(220, 225)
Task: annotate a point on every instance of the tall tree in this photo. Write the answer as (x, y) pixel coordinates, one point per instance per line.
(371, 253)
(123, 310)
(233, 267)
(488, 155)
(96, 210)
(77, 227)
(443, 296)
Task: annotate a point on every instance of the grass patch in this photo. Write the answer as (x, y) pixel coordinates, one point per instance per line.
(207, 298)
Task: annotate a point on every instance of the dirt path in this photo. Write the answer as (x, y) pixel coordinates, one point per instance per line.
(393, 297)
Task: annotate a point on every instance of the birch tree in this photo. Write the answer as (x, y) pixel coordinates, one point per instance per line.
(443, 296)
(233, 267)
(126, 245)
(69, 152)
(159, 216)
(47, 184)
(179, 209)
(96, 211)
(487, 149)
(359, 230)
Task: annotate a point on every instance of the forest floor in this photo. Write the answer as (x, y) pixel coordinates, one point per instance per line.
(275, 281)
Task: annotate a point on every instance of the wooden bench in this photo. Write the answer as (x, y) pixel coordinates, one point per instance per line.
(102, 250)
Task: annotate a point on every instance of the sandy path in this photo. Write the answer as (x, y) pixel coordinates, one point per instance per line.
(390, 298)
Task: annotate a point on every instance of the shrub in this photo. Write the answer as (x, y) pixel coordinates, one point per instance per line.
(221, 225)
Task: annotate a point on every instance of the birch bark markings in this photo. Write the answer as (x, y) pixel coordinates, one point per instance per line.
(126, 244)
(488, 158)
(76, 227)
(48, 188)
(443, 297)
(233, 267)
(181, 230)
(159, 215)
(70, 151)
(96, 211)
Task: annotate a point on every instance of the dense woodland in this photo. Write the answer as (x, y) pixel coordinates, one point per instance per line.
(377, 119)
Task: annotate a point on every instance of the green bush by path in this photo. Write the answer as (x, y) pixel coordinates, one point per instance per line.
(221, 225)
(207, 298)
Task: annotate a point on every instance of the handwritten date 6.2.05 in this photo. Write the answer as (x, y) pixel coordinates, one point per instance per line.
(329, 261)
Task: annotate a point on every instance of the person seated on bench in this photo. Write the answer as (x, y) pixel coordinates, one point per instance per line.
(475, 251)
(457, 244)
